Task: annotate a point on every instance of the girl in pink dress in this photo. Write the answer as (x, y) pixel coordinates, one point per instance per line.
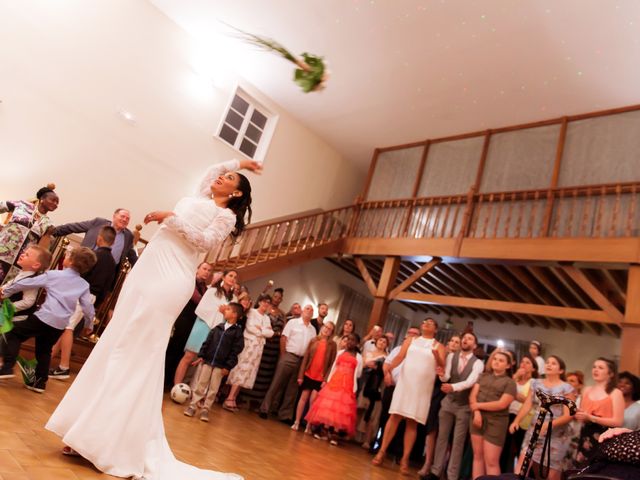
(334, 410)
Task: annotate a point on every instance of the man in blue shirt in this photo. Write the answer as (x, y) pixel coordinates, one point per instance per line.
(65, 288)
(122, 247)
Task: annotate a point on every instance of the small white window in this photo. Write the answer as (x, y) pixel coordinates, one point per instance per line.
(247, 126)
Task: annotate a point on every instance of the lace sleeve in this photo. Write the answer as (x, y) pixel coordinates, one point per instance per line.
(213, 172)
(208, 238)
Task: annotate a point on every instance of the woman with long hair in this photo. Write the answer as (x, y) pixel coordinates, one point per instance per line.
(334, 412)
(256, 332)
(489, 403)
(629, 385)
(112, 413)
(209, 313)
(370, 394)
(602, 407)
(315, 366)
(348, 327)
(553, 384)
(527, 371)
(29, 223)
(576, 380)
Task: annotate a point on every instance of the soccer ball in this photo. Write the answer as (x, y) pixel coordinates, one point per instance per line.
(180, 393)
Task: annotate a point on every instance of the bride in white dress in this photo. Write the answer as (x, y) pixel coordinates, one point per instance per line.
(111, 415)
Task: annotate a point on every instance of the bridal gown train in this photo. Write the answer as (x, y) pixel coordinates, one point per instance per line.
(112, 413)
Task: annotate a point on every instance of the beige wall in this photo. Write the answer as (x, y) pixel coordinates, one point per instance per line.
(67, 68)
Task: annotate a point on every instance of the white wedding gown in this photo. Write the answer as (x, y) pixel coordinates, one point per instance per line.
(112, 413)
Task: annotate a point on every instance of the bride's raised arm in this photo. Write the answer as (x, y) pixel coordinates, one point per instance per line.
(213, 172)
(221, 168)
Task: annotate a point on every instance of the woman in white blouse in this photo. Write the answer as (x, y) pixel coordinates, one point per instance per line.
(256, 331)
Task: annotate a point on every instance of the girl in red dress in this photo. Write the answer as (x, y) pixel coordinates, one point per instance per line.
(334, 410)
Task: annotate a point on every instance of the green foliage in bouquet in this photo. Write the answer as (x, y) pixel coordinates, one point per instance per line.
(311, 72)
(312, 78)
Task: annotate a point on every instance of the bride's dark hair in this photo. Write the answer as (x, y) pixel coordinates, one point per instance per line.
(241, 206)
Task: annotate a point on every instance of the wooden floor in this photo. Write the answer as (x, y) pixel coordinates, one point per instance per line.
(241, 443)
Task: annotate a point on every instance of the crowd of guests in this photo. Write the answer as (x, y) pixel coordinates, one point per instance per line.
(86, 277)
(467, 412)
(463, 411)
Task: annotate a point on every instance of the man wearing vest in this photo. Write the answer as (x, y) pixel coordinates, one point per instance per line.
(461, 372)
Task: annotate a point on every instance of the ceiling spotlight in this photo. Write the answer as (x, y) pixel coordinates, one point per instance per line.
(128, 116)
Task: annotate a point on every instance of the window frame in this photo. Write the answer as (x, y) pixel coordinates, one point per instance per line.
(267, 131)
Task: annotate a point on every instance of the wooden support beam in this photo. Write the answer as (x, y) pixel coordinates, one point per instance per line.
(487, 285)
(517, 295)
(546, 219)
(564, 279)
(498, 305)
(451, 283)
(592, 250)
(419, 285)
(414, 277)
(366, 276)
(447, 289)
(388, 277)
(432, 285)
(381, 300)
(477, 291)
(630, 353)
(614, 285)
(541, 276)
(523, 277)
(596, 295)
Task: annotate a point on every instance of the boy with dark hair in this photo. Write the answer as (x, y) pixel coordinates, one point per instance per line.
(64, 289)
(33, 260)
(218, 355)
(100, 279)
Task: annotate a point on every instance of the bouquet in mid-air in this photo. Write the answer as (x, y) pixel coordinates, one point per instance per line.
(311, 73)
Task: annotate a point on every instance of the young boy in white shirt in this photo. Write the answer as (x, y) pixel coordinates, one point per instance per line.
(34, 259)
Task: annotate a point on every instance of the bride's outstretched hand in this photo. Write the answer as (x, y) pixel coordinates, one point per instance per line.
(157, 216)
(252, 165)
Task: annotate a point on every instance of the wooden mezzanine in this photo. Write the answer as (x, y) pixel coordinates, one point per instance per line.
(563, 256)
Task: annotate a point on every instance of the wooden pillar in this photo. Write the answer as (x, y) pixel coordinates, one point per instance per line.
(385, 285)
(630, 351)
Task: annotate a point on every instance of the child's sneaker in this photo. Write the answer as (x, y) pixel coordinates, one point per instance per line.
(6, 372)
(37, 386)
(190, 412)
(204, 415)
(59, 373)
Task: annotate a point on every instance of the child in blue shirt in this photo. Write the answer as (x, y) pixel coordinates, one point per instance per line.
(218, 355)
(64, 289)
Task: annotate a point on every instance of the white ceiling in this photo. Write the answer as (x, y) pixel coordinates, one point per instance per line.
(407, 70)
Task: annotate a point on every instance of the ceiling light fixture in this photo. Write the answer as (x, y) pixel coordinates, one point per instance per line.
(128, 116)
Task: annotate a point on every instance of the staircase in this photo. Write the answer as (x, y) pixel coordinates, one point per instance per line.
(282, 244)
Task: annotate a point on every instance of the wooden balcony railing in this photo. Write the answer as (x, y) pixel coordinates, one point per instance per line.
(589, 211)
(611, 210)
(277, 239)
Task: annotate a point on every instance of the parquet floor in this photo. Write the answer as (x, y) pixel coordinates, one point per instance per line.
(241, 442)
